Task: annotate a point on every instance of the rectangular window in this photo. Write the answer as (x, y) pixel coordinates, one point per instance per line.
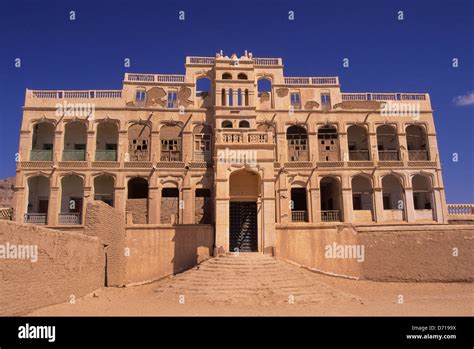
(325, 99)
(140, 96)
(172, 99)
(295, 100)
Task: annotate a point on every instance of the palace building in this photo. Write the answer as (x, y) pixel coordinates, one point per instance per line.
(233, 144)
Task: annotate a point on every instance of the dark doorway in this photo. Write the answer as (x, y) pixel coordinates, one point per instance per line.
(243, 226)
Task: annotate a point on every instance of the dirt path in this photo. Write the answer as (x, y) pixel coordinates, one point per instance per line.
(254, 284)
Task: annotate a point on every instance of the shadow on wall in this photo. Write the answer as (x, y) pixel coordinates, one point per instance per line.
(192, 245)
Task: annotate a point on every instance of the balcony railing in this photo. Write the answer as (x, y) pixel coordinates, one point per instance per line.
(266, 61)
(171, 156)
(105, 155)
(418, 155)
(36, 218)
(168, 78)
(41, 155)
(299, 216)
(201, 60)
(85, 94)
(359, 155)
(330, 216)
(389, 155)
(370, 96)
(461, 211)
(74, 155)
(69, 218)
(330, 80)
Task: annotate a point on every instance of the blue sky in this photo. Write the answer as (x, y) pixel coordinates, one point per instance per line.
(386, 55)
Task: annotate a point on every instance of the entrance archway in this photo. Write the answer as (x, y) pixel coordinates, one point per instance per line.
(244, 190)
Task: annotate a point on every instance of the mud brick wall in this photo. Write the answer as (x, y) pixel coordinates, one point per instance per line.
(424, 253)
(69, 264)
(139, 210)
(108, 224)
(169, 207)
(418, 254)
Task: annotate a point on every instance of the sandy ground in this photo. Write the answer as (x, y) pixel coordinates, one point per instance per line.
(264, 286)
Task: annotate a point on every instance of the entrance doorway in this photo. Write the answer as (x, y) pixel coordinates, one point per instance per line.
(243, 226)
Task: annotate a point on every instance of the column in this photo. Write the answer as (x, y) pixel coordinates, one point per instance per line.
(154, 196)
(122, 147)
(91, 146)
(268, 215)
(374, 154)
(315, 200)
(378, 204)
(313, 147)
(344, 146)
(284, 195)
(155, 147)
(410, 207)
(186, 211)
(281, 146)
(58, 145)
(222, 216)
(187, 146)
(20, 205)
(25, 146)
(54, 205)
(402, 142)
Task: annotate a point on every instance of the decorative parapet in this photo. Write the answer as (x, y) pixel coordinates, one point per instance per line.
(64, 94)
(317, 81)
(371, 96)
(155, 78)
(461, 212)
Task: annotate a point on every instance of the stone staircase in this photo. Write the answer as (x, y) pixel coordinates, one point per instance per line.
(250, 278)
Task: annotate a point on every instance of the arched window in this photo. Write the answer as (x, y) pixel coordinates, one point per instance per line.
(242, 76)
(75, 140)
(246, 97)
(328, 143)
(137, 200)
(203, 87)
(138, 143)
(358, 143)
(244, 124)
(264, 85)
(393, 198)
(417, 143)
(43, 139)
(104, 189)
(38, 200)
(239, 97)
(72, 193)
(202, 143)
(297, 139)
(362, 198)
(227, 76)
(422, 194)
(226, 124)
(170, 137)
(387, 143)
(106, 140)
(331, 199)
(299, 206)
